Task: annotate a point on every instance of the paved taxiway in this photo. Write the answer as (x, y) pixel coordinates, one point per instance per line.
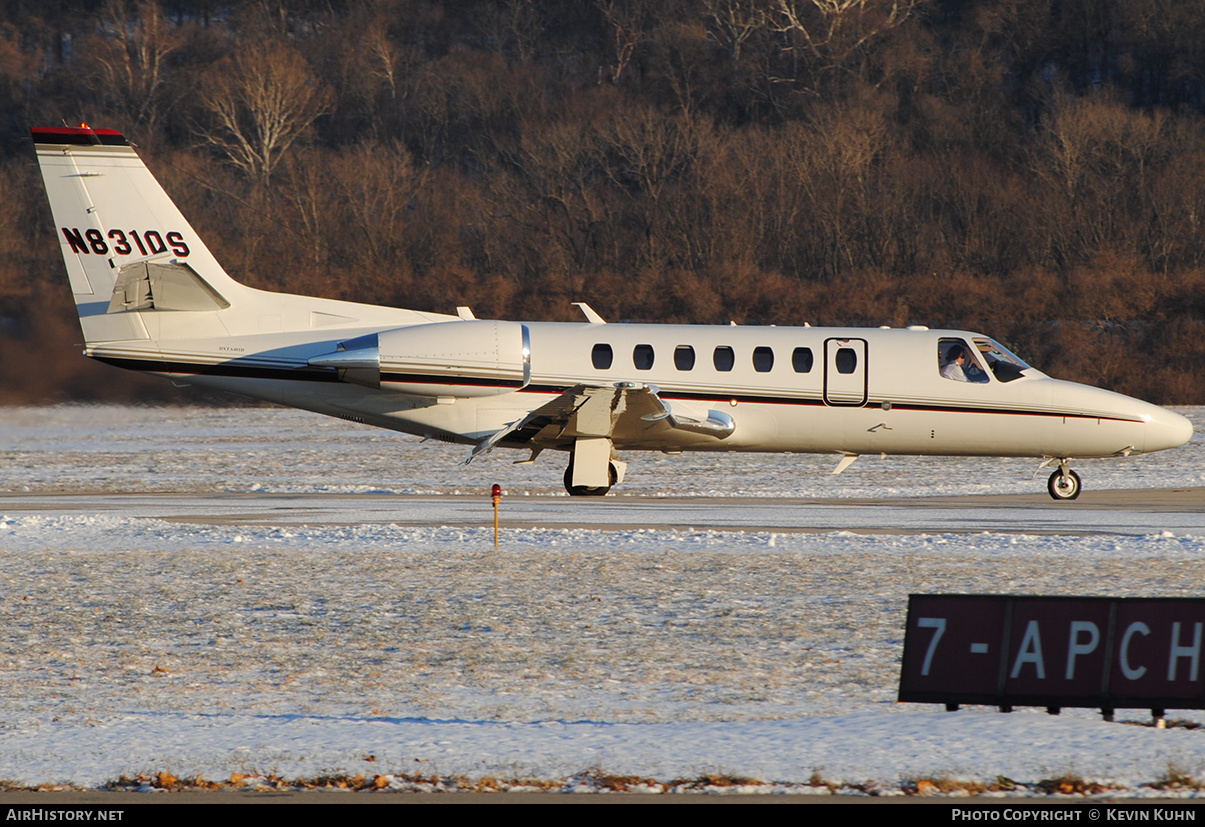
(1133, 513)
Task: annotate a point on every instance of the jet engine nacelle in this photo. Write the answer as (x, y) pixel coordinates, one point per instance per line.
(446, 359)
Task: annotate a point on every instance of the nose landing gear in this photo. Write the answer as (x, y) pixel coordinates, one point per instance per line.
(1064, 484)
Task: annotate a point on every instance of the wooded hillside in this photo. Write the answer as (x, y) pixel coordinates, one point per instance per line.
(1033, 169)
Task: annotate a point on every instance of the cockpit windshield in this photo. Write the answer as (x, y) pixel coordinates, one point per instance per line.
(1004, 365)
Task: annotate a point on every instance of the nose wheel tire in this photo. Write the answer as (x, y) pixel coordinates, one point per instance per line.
(1064, 486)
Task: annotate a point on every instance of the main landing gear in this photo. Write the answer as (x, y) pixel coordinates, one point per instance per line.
(587, 490)
(1064, 483)
(595, 466)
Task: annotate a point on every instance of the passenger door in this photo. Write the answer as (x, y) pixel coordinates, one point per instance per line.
(845, 372)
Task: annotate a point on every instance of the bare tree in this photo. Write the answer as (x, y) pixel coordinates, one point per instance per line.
(1091, 135)
(679, 66)
(1099, 157)
(129, 57)
(644, 153)
(551, 193)
(627, 20)
(731, 22)
(838, 171)
(830, 31)
(514, 29)
(376, 185)
(385, 57)
(261, 103)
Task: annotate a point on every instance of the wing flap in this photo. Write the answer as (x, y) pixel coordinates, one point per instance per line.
(623, 412)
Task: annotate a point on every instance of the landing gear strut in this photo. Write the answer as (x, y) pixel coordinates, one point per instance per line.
(1064, 483)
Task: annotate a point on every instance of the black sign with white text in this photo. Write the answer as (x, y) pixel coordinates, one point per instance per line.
(1012, 650)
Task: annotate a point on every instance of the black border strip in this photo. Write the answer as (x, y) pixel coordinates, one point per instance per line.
(473, 381)
(231, 369)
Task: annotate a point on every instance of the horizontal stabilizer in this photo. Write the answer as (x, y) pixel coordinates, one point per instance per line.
(151, 285)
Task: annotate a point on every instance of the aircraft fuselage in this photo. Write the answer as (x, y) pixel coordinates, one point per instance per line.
(892, 399)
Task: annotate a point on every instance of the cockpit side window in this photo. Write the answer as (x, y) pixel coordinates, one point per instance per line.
(959, 362)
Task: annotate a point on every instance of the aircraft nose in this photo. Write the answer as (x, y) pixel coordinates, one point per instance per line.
(1167, 429)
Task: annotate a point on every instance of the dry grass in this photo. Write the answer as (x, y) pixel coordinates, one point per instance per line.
(945, 786)
(597, 781)
(1177, 778)
(1069, 785)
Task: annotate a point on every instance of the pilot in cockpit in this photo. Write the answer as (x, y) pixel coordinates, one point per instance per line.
(961, 367)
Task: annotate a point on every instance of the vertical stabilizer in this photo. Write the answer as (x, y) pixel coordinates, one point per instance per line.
(127, 247)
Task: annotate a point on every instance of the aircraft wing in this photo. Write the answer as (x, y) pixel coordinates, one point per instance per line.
(623, 412)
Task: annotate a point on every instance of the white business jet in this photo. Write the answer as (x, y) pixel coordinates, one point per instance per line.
(151, 297)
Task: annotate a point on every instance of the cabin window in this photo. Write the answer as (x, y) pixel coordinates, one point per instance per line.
(684, 357)
(801, 359)
(642, 357)
(763, 359)
(959, 362)
(724, 358)
(602, 357)
(846, 360)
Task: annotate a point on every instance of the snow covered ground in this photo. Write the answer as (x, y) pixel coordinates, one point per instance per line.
(133, 644)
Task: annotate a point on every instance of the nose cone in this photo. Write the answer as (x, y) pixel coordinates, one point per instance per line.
(1166, 429)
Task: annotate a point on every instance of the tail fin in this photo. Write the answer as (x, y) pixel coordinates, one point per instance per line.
(126, 245)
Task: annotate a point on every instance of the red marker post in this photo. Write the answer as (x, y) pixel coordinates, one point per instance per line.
(496, 493)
